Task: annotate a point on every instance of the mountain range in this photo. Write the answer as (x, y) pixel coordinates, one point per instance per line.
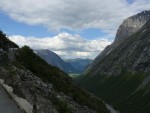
(79, 63)
(70, 66)
(120, 75)
(55, 60)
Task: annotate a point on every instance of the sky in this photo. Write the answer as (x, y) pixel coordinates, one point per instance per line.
(70, 28)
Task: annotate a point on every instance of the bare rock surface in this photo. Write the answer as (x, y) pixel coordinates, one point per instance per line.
(125, 30)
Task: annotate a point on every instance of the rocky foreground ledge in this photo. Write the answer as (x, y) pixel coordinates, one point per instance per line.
(23, 104)
(32, 94)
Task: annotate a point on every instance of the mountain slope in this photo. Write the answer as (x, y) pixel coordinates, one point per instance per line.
(60, 80)
(5, 44)
(122, 78)
(79, 64)
(45, 87)
(55, 60)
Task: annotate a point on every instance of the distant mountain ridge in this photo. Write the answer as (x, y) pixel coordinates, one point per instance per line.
(55, 60)
(79, 64)
(75, 66)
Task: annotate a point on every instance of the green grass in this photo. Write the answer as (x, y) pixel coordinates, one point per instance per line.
(74, 75)
(61, 105)
(119, 91)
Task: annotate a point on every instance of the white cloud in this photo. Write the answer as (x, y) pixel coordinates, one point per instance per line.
(65, 45)
(73, 14)
(106, 15)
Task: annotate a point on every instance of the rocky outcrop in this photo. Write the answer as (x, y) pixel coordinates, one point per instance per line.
(29, 87)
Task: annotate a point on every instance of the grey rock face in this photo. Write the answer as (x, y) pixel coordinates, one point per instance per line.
(131, 55)
(131, 25)
(8, 56)
(28, 86)
(125, 30)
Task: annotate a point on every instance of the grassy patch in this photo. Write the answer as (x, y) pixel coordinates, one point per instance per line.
(73, 75)
(119, 91)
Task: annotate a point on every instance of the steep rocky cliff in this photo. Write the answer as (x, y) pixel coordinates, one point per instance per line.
(132, 55)
(46, 88)
(131, 25)
(126, 29)
(122, 77)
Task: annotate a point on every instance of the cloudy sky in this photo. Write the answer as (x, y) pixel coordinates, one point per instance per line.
(71, 28)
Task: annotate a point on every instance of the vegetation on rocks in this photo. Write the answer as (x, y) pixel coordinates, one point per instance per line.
(5, 43)
(60, 80)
